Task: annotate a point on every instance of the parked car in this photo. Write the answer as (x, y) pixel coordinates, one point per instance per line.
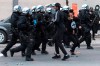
(5, 33)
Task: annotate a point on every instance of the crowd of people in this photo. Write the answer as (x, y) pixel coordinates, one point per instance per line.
(51, 25)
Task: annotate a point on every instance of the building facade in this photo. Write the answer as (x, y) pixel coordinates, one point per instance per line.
(6, 6)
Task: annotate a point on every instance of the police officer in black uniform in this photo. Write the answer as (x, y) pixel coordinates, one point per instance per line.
(14, 30)
(34, 21)
(40, 35)
(66, 41)
(86, 26)
(49, 25)
(93, 23)
(96, 20)
(25, 31)
(59, 17)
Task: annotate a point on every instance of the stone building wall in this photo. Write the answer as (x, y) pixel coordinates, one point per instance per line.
(6, 6)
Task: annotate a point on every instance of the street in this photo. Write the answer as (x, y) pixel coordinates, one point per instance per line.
(34, 24)
(84, 57)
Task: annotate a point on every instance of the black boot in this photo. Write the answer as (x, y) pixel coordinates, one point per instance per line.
(89, 47)
(93, 38)
(23, 54)
(29, 59)
(78, 46)
(72, 53)
(44, 52)
(65, 57)
(12, 53)
(57, 56)
(4, 53)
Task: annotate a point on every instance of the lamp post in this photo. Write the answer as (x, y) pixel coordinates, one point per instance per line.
(67, 2)
(15, 2)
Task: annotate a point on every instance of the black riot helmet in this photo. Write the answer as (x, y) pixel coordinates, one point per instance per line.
(97, 7)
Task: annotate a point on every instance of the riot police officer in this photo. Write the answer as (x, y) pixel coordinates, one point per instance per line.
(14, 30)
(40, 36)
(86, 25)
(25, 28)
(93, 23)
(48, 16)
(96, 20)
(49, 25)
(66, 41)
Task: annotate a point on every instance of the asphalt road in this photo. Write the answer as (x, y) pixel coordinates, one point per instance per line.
(84, 57)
